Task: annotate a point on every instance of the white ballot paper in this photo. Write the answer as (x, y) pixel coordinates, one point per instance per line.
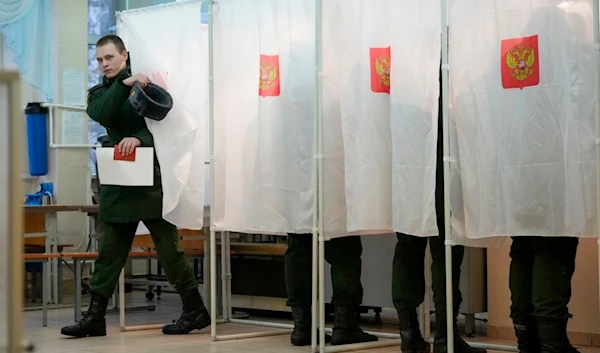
(137, 172)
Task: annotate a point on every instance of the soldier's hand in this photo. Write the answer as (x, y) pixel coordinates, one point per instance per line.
(128, 145)
(143, 80)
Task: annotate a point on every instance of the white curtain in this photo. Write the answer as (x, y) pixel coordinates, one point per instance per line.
(166, 44)
(522, 92)
(381, 90)
(264, 60)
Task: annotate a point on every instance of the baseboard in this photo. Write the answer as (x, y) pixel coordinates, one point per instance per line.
(576, 338)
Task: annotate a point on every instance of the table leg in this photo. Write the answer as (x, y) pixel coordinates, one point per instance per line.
(77, 289)
(60, 281)
(47, 282)
(44, 294)
(52, 229)
(206, 274)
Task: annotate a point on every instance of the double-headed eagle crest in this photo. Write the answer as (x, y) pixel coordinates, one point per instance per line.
(520, 61)
(382, 68)
(268, 74)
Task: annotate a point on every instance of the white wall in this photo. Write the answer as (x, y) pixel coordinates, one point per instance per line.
(69, 48)
(69, 167)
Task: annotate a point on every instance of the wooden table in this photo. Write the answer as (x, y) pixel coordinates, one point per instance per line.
(48, 216)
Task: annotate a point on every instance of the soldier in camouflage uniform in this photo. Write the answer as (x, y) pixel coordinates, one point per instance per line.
(123, 207)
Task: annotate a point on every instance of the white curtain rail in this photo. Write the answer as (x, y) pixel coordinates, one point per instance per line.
(64, 106)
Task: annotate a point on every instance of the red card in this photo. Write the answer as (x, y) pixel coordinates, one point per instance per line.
(520, 62)
(118, 157)
(380, 69)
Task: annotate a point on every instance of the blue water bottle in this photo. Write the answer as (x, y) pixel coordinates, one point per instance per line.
(37, 138)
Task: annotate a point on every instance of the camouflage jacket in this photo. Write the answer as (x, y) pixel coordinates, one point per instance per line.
(108, 105)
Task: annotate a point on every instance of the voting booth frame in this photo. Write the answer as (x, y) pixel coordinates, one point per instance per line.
(319, 239)
(13, 228)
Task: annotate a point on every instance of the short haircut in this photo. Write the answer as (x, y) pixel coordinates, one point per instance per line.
(114, 39)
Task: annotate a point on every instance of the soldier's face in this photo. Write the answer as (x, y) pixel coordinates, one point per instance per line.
(110, 60)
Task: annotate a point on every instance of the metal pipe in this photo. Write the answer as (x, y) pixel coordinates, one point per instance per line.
(362, 346)
(261, 323)
(51, 142)
(213, 285)
(315, 277)
(224, 306)
(315, 235)
(251, 335)
(596, 9)
(321, 294)
(142, 327)
(446, 140)
(229, 278)
(494, 347)
(64, 106)
(122, 300)
(153, 326)
(320, 178)
(44, 295)
(77, 289)
(392, 336)
(211, 115)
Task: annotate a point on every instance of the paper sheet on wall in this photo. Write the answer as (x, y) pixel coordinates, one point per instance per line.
(73, 87)
(72, 128)
(125, 173)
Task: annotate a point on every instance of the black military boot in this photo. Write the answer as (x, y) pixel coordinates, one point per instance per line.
(93, 323)
(440, 342)
(553, 336)
(194, 316)
(412, 340)
(528, 339)
(345, 329)
(301, 336)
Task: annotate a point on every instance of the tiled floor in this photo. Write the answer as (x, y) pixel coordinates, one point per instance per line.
(49, 340)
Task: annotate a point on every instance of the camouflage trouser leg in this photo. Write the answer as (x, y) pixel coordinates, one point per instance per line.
(115, 246)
